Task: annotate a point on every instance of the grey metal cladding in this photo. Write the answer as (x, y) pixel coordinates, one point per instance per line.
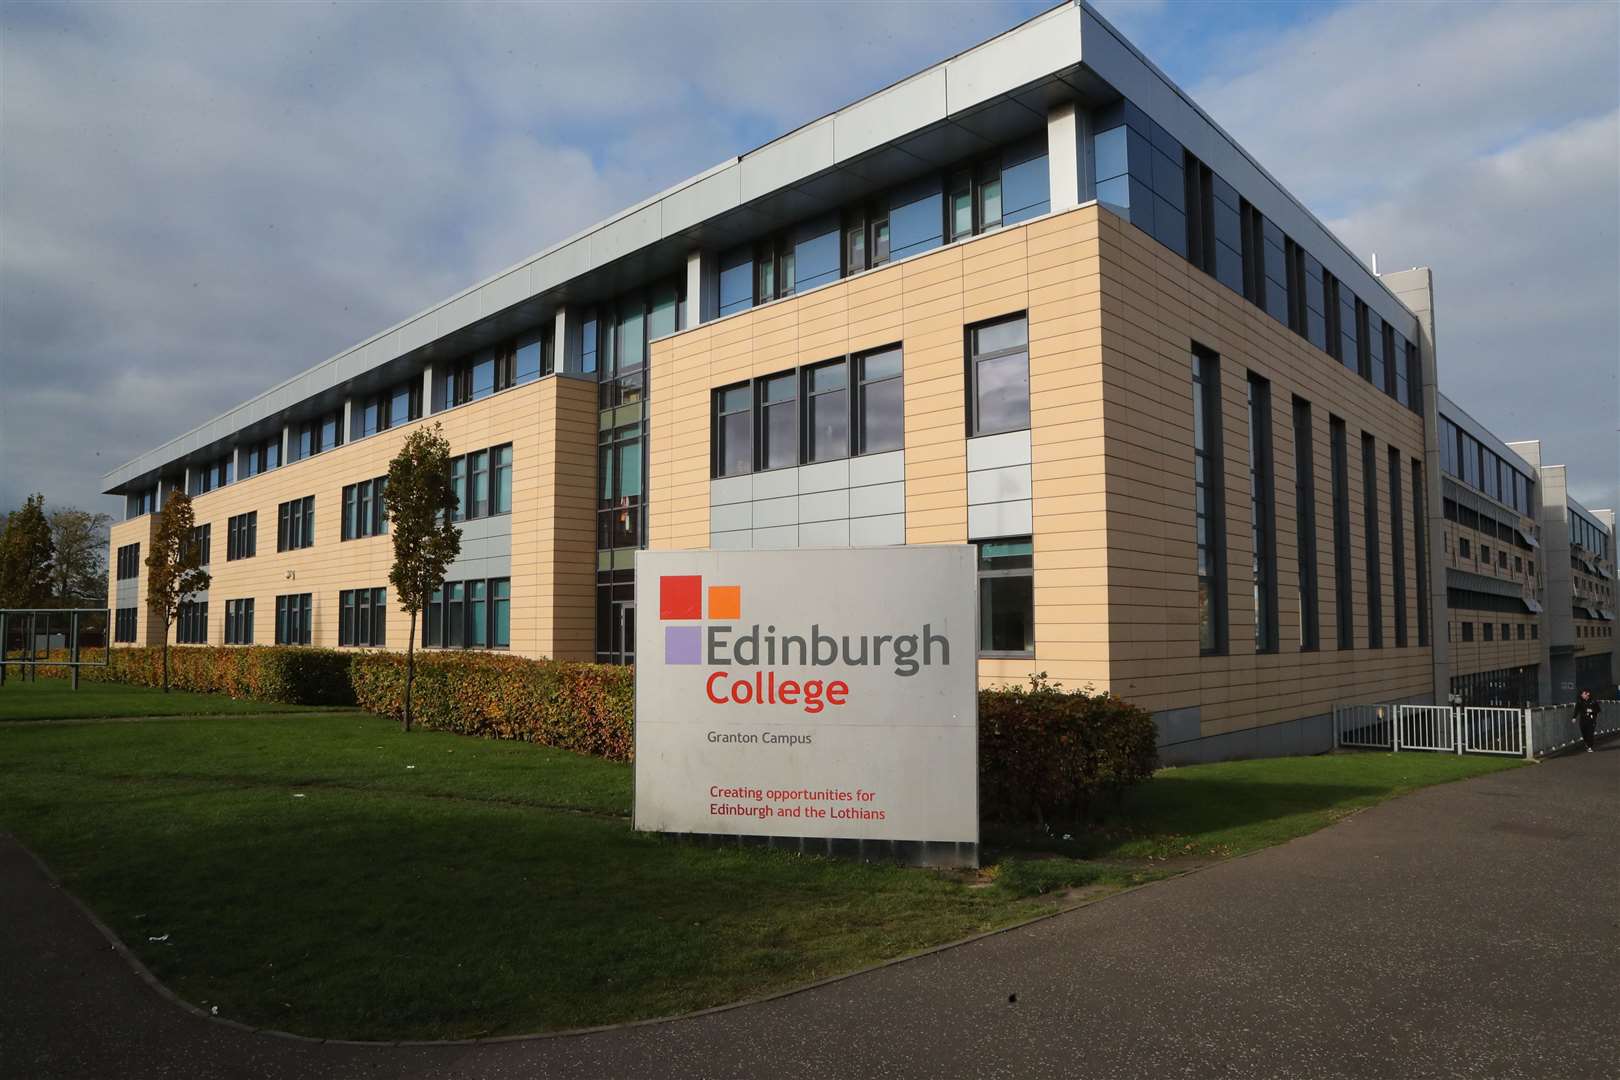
(1461, 417)
(708, 197)
(889, 114)
(787, 160)
(626, 234)
(1045, 44)
(1106, 52)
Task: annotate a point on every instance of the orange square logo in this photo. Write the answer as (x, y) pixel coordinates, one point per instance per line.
(725, 601)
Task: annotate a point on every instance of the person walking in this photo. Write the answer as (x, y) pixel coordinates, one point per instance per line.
(1586, 714)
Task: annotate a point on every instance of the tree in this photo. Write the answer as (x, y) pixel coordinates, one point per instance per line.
(173, 566)
(79, 574)
(418, 500)
(26, 556)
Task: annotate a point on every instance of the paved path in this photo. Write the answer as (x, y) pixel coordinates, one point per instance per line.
(1469, 930)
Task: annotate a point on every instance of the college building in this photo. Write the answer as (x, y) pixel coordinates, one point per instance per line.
(1032, 299)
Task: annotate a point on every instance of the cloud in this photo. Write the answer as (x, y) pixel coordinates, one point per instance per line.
(1479, 140)
(198, 201)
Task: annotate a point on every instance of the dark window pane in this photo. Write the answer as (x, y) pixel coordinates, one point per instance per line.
(1007, 614)
(1003, 393)
(882, 419)
(829, 425)
(736, 444)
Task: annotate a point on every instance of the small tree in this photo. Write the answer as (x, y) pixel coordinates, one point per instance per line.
(418, 500)
(27, 555)
(173, 566)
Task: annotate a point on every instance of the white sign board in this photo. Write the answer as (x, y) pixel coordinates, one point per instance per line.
(808, 693)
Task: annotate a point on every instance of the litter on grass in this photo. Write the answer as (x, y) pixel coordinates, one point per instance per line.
(298, 794)
(160, 937)
(410, 766)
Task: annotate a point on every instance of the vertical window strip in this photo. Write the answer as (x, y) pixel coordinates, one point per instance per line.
(1375, 577)
(1263, 517)
(1210, 518)
(1343, 582)
(1420, 526)
(1305, 525)
(1397, 545)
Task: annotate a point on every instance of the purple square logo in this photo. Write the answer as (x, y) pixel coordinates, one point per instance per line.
(683, 644)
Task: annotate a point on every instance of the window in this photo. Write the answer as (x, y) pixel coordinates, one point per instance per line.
(402, 404)
(202, 542)
(469, 615)
(1501, 559)
(619, 519)
(1489, 630)
(1200, 182)
(1369, 515)
(239, 622)
(866, 238)
(370, 419)
(1535, 631)
(1262, 516)
(1209, 510)
(1464, 551)
(1518, 564)
(191, 624)
(1343, 582)
(1397, 542)
(242, 536)
(1521, 631)
(129, 561)
(1468, 631)
(734, 431)
(778, 421)
(295, 524)
(479, 494)
(1485, 554)
(879, 407)
(363, 617)
(1420, 537)
(124, 625)
(998, 376)
(826, 412)
(1254, 258)
(363, 513)
(1507, 632)
(293, 623)
(1305, 525)
(1294, 260)
(1007, 597)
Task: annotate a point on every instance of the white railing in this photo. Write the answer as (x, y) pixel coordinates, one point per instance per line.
(1366, 727)
(1426, 727)
(1493, 730)
(1527, 733)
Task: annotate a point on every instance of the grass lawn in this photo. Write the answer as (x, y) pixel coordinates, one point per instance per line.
(326, 875)
(55, 699)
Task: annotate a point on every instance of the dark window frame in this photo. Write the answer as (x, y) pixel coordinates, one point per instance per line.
(1374, 553)
(1209, 526)
(1310, 634)
(1263, 515)
(1018, 567)
(1344, 582)
(976, 360)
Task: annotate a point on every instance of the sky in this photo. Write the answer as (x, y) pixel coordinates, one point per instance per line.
(199, 201)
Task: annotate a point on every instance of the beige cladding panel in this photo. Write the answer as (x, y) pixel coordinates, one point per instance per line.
(551, 425)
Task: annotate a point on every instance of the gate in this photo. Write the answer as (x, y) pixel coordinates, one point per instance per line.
(1426, 727)
(1495, 731)
(1367, 727)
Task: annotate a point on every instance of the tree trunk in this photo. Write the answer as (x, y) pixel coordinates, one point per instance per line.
(165, 659)
(410, 669)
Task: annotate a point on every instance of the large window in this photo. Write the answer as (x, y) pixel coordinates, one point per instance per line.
(242, 536)
(1305, 525)
(619, 470)
(1262, 516)
(1209, 508)
(363, 617)
(202, 543)
(1397, 542)
(778, 421)
(316, 436)
(293, 619)
(295, 524)
(363, 513)
(1369, 517)
(239, 622)
(191, 624)
(879, 405)
(1344, 583)
(124, 621)
(826, 411)
(129, 561)
(469, 615)
(1007, 597)
(482, 481)
(809, 415)
(998, 376)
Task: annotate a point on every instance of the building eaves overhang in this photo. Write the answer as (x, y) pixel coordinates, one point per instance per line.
(982, 97)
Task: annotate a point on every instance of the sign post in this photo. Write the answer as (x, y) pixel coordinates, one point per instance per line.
(822, 699)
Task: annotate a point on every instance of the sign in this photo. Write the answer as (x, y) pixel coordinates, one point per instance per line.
(808, 693)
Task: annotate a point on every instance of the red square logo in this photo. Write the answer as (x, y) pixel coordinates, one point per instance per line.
(680, 597)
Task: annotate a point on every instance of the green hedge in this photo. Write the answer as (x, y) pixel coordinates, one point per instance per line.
(587, 708)
(1046, 754)
(291, 676)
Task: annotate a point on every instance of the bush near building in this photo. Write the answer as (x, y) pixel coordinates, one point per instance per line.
(282, 674)
(586, 708)
(1048, 754)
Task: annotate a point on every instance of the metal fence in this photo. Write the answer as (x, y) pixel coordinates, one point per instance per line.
(31, 638)
(1450, 729)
